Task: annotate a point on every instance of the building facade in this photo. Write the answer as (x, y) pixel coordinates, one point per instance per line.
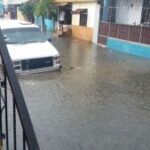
(125, 25)
(11, 8)
(82, 17)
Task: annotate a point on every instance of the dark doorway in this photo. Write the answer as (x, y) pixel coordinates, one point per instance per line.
(67, 13)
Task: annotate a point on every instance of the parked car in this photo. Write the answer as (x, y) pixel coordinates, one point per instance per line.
(29, 49)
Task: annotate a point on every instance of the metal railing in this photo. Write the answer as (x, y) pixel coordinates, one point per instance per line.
(19, 109)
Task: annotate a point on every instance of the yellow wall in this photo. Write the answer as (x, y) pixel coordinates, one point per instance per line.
(84, 33)
(19, 15)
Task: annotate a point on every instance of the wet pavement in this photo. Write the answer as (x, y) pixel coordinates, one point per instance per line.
(100, 100)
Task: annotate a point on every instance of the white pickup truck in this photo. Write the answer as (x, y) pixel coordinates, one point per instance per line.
(29, 49)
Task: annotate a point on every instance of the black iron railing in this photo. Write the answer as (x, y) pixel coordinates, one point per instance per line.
(18, 107)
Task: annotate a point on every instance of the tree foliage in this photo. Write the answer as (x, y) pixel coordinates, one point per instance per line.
(27, 10)
(42, 9)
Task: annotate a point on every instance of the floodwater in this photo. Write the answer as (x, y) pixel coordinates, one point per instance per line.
(99, 101)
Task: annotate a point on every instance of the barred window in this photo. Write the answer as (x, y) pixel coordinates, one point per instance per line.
(146, 12)
(131, 12)
(108, 10)
(83, 17)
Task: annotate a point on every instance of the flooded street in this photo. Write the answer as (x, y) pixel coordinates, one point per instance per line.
(99, 101)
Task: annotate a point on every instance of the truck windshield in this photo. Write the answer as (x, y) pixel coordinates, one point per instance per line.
(23, 35)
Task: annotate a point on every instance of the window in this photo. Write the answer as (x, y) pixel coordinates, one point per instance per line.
(83, 17)
(112, 11)
(146, 13)
(23, 35)
(108, 10)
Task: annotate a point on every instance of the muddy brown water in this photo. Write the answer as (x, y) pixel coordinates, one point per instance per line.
(99, 101)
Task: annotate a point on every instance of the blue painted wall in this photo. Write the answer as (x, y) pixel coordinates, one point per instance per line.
(49, 24)
(129, 47)
(1, 7)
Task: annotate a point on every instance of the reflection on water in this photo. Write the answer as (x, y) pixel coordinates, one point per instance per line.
(99, 101)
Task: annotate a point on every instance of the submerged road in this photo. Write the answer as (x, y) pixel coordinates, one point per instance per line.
(100, 100)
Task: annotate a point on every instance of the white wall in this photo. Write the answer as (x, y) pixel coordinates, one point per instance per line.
(16, 1)
(126, 14)
(91, 13)
(96, 24)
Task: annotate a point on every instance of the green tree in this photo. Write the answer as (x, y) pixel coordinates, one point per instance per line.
(42, 9)
(27, 10)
